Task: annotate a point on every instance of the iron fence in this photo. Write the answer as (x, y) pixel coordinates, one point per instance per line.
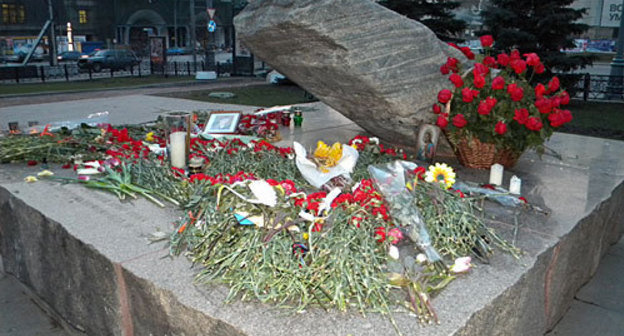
(593, 87)
(71, 71)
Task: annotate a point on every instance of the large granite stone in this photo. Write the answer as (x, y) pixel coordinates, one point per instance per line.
(85, 254)
(376, 67)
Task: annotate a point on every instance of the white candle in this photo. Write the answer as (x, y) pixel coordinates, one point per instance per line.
(496, 174)
(514, 185)
(177, 149)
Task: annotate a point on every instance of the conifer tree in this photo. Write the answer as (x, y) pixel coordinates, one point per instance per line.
(541, 26)
(435, 14)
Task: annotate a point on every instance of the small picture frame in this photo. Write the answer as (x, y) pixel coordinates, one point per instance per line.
(222, 122)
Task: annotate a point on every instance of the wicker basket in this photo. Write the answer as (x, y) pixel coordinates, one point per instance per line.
(473, 153)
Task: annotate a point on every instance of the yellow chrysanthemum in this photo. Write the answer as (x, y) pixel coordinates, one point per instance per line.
(30, 179)
(326, 156)
(442, 174)
(149, 137)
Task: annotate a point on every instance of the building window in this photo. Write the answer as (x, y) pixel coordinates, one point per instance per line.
(13, 14)
(82, 16)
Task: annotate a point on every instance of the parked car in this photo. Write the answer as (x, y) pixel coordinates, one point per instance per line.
(69, 56)
(109, 59)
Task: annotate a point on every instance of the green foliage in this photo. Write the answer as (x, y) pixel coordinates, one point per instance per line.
(437, 16)
(543, 27)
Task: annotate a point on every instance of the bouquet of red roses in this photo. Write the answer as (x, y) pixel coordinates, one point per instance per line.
(494, 102)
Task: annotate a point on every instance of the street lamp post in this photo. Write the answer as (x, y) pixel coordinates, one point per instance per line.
(175, 22)
(53, 60)
(617, 65)
(193, 38)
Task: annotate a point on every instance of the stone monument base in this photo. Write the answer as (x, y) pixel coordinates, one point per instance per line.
(86, 254)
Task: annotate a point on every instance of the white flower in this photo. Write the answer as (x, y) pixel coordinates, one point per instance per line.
(91, 168)
(307, 216)
(264, 192)
(45, 173)
(393, 252)
(326, 205)
(421, 258)
(87, 171)
(374, 140)
(356, 141)
(461, 265)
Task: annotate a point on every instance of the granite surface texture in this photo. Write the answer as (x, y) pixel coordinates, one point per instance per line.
(86, 254)
(378, 68)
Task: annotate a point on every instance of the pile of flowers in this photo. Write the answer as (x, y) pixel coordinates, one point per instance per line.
(253, 222)
(494, 102)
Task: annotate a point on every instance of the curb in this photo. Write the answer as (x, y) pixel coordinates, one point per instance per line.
(119, 88)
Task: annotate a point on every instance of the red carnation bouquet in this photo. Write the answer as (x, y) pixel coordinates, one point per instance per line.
(493, 101)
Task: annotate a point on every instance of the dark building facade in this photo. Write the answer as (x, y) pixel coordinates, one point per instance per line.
(125, 23)
(136, 20)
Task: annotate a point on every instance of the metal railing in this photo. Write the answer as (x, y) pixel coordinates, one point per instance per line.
(71, 71)
(594, 87)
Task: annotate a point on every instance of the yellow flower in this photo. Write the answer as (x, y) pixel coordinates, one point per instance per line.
(441, 173)
(306, 236)
(326, 156)
(45, 173)
(30, 179)
(149, 137)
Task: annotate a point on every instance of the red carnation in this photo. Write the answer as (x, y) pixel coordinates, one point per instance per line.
(532, 59)
(380, 234)
(467, 52)
(456, 80)
(500, 128)
(484, 108)
(521, 116)
(539, 69)
(518, 66)
(559, 117)
(543, 105)
(451, 63)
(489, 61)
(444, 96)
(468, 95)
(565, 98)
(516, 93)
(556, 119)
(540, 90)
(436, 109)
(553, 85)
(479, 81)
(503, 59)
(498, 83)
(444, 69)
(442, 122)
(515, 54)
(486, 41)
(459, 121)
(555, 101)
(480, 69)
(534, 124)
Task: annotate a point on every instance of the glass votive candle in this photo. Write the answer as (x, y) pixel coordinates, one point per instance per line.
(178, 136)
(298, 118)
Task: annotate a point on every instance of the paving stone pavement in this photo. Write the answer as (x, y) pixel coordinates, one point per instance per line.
(20, 315)
(598, 308)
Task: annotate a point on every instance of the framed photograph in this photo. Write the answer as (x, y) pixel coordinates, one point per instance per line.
(222, 122)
